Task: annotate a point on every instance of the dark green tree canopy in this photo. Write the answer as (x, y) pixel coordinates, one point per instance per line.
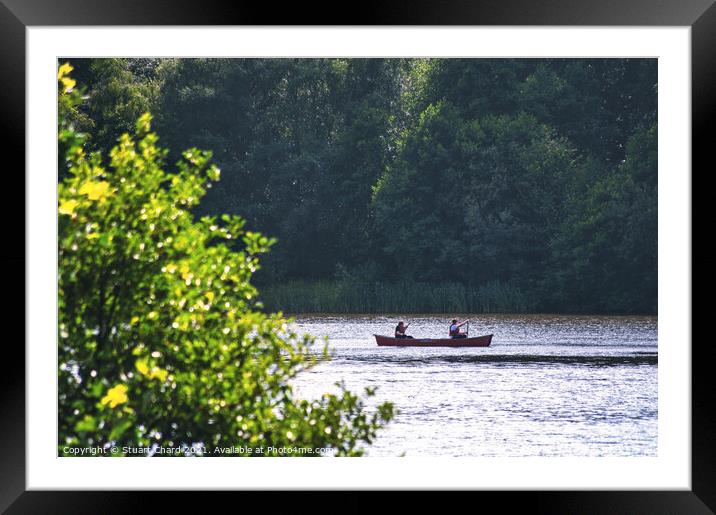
(538, 175)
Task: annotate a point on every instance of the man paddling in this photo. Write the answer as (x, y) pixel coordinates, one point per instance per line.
(455, 329)
(400, 330)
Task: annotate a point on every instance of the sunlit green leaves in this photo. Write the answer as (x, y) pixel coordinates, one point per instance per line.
(115, 396)
(162, 337)
(94, 190)
(68, 207)
(68, 83)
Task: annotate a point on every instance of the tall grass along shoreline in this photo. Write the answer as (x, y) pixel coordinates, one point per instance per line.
(322, 296)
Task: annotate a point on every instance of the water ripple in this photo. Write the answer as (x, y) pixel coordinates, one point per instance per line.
(548, 386)
(641, 359)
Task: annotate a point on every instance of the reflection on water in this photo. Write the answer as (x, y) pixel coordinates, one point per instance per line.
(547, 386)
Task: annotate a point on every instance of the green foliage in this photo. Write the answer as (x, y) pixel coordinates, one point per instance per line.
(472, 200)
(69, 116)
(605, 253)
(533, 173)
(301, 141)
(161, 337)
(353, 296)
(122, 90)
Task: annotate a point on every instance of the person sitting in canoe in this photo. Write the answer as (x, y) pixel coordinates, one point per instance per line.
(455, 329)
(400, 330)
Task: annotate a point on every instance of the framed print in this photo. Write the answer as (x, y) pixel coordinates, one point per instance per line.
(524, 169)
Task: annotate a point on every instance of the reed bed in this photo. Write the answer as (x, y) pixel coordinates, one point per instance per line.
(378, 297)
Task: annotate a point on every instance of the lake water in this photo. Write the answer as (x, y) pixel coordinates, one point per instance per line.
(547, 386)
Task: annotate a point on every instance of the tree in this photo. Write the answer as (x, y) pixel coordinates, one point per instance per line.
(161, 338)
(605, 252)
(300, 141)
(473, 200)
(349, 163)
(121, 90)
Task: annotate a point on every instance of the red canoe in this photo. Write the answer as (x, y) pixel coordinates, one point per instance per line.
(476, 341)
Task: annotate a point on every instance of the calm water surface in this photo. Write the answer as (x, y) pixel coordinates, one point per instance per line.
(547, 386)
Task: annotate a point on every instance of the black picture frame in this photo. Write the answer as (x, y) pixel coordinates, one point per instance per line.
(17, 15)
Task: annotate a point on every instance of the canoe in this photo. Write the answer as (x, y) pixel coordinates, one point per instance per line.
(475, 341)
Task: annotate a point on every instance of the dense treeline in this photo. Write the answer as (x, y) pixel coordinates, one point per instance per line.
(533, 178)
